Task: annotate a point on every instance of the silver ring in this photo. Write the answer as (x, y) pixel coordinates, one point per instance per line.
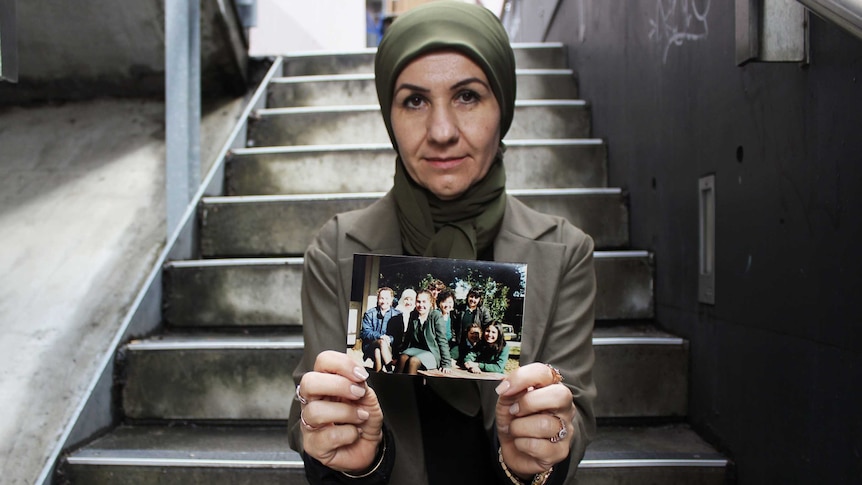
(561, 434)
(299, 397)
(305, 423)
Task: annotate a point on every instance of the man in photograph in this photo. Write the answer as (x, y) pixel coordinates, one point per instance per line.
(376, 344)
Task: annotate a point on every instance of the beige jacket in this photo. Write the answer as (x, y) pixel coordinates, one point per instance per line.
(558, 309)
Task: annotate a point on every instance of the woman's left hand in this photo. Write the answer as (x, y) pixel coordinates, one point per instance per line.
(534, 419)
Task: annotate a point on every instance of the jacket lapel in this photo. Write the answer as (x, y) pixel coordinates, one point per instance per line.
(519, 242)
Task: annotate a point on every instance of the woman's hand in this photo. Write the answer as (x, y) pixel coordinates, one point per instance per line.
(472, 367)
(341, 420)
(534, 419)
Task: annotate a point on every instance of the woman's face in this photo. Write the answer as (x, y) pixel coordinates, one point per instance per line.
(423, 303)
(446, 122)
(447, 305)
(472, 301)
(473, 335)
(491, 334)
(408, 301)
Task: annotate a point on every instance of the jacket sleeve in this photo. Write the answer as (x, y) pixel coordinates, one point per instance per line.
(499, 365)
(568, 338)
(442, 341)
(368, 331)
(324, 327)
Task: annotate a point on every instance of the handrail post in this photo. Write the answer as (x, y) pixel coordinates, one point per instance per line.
(8, 42)
(182, 106)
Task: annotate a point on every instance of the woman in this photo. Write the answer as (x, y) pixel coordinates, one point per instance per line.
(468, 342)
(445, 76)
(491, 354)
(445, 304)
(426, 344)
(470, 312)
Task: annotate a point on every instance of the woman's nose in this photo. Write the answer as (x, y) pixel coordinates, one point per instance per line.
(443, 125)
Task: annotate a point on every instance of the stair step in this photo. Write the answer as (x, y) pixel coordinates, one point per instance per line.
(243, 292)
(346, 89)
(253, 455)
(624, 285)
(180, 455)
(284, 225)
(265, 291)
(669, 455)
(215, 377)
(363, 123)
(639, 371)
(527, 56)
(530, 164)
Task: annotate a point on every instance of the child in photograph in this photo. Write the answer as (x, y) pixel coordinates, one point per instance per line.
(491, 354)
(446, 305)
(426, 344)
(468, 342)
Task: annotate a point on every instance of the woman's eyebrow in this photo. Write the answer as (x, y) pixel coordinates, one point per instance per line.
(411, 87)
(467, 81)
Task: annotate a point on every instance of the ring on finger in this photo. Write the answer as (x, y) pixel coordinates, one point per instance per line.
(305, 423)
(561, 434)
(299, 397)
(556, 376)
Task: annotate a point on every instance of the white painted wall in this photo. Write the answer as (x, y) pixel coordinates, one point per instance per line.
(285, 26)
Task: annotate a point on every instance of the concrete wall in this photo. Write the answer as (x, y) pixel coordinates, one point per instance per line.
(91, 48)
(777, 361)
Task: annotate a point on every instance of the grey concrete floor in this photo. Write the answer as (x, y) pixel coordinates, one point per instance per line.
(81, 223)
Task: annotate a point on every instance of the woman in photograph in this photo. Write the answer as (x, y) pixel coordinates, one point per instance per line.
(446, 304)
(445, 77)
(426, 346)
(397, 327)
(471, 338)
(491, 354)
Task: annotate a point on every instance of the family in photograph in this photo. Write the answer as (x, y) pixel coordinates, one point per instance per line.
(425, 331)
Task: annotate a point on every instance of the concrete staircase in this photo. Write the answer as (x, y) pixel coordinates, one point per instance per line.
(206, 399)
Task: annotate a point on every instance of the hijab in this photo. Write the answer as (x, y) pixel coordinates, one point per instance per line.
(464, 227)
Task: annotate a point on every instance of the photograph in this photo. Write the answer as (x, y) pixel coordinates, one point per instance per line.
(436, 316)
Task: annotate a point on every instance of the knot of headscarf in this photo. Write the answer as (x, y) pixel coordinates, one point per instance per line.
(461, 228)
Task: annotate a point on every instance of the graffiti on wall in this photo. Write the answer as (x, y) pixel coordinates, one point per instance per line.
(677, 22)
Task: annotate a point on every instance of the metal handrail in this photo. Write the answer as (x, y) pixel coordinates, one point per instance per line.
(847, 14)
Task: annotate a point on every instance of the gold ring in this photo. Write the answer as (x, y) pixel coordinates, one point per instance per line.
(299, 397)
(556, 375)
(305, 423)
(560, 436)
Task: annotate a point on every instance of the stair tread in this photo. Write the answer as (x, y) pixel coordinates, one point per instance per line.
(268, 446)
(191, 263)
(671, 442)
(636, 333)
(388, 146)
(192, 443)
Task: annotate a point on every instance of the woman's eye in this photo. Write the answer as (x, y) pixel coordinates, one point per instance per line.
(414, 101)
(468, 97)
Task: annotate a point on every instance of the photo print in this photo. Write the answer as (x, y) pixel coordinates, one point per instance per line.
(436, 316)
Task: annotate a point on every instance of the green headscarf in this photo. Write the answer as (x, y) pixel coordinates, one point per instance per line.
(464, 227)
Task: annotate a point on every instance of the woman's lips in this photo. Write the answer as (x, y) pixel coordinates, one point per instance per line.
(444, 163)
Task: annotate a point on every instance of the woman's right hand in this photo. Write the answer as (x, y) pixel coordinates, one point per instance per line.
(341, 419)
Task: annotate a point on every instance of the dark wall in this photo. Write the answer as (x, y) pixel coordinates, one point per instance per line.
(776, 368)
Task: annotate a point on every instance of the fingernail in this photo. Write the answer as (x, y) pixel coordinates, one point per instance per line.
(514, 408)
(360, 373)
(363, 414)
(357, 391)
(503, 387)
